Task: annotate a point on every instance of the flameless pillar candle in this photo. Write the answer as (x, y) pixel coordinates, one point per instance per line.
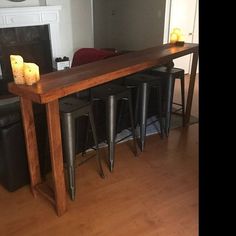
(173, 38)
(176, 36)
(177, 31)
(17, 65)
(31, 73)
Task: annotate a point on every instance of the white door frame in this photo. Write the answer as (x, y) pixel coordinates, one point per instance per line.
(92, 16)
(166, 35)
(167, 21)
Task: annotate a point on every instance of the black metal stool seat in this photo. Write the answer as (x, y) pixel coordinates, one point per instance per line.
(176, 73)
(111, 93)
(144, 83)
(70, 109)
(104, 91)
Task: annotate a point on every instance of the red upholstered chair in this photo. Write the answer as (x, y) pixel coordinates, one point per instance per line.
(87, 55)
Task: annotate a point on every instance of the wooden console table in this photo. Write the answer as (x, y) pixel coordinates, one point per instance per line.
(56, 85)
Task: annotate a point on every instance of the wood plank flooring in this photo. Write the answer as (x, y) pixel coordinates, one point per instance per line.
(154, 194)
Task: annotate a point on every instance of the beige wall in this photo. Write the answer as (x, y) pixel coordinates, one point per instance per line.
(130, 24)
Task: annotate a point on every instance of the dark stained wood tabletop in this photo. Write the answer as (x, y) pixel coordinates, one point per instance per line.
(61, 83)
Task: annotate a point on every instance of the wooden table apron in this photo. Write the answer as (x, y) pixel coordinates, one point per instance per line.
(56, 85)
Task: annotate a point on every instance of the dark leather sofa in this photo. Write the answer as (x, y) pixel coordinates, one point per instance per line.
(13, 159)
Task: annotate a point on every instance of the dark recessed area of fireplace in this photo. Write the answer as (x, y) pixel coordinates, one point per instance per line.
(31, 42)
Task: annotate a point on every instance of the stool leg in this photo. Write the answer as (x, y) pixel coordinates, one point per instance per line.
(91, 118)
(68, 130)
(122, 110)
(132, 123)
(137, 103)
(111, 128)
(143, 121)
(183, 99)
(85, 144)
(159, 97)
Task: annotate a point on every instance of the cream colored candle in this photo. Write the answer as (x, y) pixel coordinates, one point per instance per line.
(177, 31)
(176, 35)
(31, 73)
(173, 38)
(36, 69)
(17, 65)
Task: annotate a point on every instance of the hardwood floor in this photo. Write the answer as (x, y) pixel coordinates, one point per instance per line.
(154, 194)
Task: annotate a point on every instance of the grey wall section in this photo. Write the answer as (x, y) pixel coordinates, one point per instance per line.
(128, 24)
(102, 23)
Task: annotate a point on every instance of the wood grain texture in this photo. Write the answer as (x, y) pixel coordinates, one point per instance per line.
(61, 83)
(31, 142)
(54, 132)
(155, 194)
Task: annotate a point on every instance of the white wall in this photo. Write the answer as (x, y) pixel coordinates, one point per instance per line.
(81, 21)
(76, 25)
(76, 29)
(65, 26)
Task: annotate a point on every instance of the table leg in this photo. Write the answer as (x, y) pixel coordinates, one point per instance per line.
(191, 87)
(54, 131)
(31, 143)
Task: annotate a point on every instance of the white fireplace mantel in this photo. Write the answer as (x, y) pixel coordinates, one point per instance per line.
(30, 16)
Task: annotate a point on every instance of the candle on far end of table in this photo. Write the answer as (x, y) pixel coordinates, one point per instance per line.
(177, 31)
(31, 73)
(17, 65)
(173, 38)
(177, 36)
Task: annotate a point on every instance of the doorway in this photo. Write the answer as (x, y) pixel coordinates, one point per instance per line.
(182, 14)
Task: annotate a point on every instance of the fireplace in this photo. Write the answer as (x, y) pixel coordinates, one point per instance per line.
(33, 33)
(31, 42)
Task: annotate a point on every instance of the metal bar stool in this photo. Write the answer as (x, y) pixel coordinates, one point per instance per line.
(70, 109)
(176, 73)
(143, 83)
(111, 93)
